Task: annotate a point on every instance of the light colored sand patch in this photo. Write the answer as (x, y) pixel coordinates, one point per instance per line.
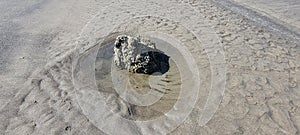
(287, 11)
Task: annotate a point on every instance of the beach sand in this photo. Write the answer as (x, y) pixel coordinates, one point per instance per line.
(40, 42)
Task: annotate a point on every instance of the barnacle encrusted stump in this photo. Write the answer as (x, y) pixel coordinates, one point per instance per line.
(139, 55)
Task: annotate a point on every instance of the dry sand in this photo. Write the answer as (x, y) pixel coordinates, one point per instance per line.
(286, 11)
(38, 46)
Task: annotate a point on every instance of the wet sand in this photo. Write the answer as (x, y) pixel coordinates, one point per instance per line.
(39, 46)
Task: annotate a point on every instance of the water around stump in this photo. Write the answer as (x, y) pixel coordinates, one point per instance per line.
(168, 82)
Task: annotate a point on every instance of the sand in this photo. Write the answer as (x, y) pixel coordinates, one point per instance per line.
(284, 11)
(41, 41)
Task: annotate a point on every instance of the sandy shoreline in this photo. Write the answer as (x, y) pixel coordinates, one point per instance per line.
(262, 67)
